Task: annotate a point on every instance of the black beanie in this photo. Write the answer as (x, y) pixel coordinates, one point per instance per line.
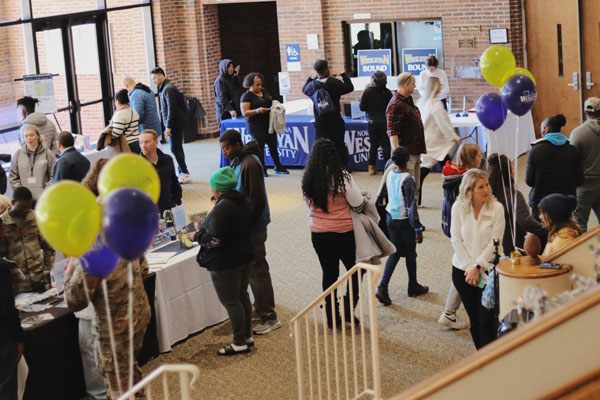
(559, 207)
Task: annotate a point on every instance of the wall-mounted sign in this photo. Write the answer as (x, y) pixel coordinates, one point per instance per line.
(312, 41)
(466, 43)
(499, 35)
(292, 52)
(465, 28)
(415, 60)
(284, 83)
(362, 16)
(370, 61)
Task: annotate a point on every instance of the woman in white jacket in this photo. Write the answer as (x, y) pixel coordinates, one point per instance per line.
(477, 221)
(439, 134)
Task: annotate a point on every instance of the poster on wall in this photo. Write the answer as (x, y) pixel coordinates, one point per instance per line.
(292, 52)
(370, 61)
(415, 60)
(41, 87)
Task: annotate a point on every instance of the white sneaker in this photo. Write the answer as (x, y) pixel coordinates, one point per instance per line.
(185, 178)
(452, 321)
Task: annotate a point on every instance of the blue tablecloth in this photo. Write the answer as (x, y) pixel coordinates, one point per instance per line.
(294, 145)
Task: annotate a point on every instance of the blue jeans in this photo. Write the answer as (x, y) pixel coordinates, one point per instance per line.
(403, 236)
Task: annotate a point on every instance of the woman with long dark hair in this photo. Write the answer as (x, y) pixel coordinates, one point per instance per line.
(330, 191)
(374, 101)
(556, 212)
(501, 179)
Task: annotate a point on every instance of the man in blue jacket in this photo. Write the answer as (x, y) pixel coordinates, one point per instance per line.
(141, 99)
(72, 164)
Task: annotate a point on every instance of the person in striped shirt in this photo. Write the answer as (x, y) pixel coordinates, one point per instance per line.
(125, 121)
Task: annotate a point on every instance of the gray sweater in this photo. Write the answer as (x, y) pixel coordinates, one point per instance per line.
(586, 138)
(37, 165)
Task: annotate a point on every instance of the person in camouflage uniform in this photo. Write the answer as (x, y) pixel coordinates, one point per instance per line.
(118, 295)
(24, 245)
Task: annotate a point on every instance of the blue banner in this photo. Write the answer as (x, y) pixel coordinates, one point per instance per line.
(415, 60)
(370, 61)
(294, 145)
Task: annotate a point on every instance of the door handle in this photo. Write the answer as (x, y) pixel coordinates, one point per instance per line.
(588, 80)
(575, 84)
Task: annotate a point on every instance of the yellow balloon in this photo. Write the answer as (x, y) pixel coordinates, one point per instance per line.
(129, 170)
(69, 217)
(495, 62)
(517, 71)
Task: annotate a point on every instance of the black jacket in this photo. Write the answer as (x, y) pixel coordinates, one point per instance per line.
(552, 169)
(374, 101)
(224, 236)
(170, 189)
(171, 109)
(71, 165)
(10, 323)
(334, 86)
(228, 90)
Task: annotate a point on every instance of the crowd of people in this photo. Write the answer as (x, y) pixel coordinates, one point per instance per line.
(482, 210)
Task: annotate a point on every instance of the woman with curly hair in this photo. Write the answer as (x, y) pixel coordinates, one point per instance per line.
(330, 192)
(91, 178)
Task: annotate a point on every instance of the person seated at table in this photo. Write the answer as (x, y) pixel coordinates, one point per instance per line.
(227, 252)
(71, 164)
(12, 337)
(501, 175)
(170, 189)
(32, 165)
(556, 211)
(24, 245)
(544, 175)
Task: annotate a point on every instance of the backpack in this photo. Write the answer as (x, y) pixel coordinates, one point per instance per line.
(323, 103)
(185, 103)
(449, 199)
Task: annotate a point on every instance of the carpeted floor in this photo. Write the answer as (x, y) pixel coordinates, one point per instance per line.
(412, 345)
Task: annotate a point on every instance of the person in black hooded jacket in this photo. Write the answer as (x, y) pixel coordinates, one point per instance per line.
(227, 252)
(228, 90)
(330, 125)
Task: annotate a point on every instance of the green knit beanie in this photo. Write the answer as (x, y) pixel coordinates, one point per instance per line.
(223, 180)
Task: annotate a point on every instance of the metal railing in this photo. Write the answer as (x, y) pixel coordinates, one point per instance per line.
(321, 374)
(185, 371)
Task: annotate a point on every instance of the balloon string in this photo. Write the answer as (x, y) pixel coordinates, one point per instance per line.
(130, 312)
(510, 224)
(112, 336)
(516, 176)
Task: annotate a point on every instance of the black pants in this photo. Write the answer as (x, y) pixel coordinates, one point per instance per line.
(263, 137)
(332, 247)
(482, 323)
(231, 286)
(377, 135)
(8, 369)
(177, 149)
(332, 127)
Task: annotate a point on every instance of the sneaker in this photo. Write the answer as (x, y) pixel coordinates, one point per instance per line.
(383, 296)
(250, 342)
(281, 171)
(266, 326)
(452, 321)
(417, 290)
(185, 178)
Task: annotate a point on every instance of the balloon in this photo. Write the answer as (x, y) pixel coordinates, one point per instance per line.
(68, 216)
(129, 170)
(495, 62)
(490, 110)
(517, 71)
(130, 220)
(99, 261)
(519, 94)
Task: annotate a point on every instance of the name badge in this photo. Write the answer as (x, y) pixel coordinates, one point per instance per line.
(486, 217)
(31, 180)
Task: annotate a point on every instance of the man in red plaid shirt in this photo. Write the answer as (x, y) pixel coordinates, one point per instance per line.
(404, 124)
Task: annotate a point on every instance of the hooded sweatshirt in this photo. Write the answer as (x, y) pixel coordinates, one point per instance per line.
(142, 101)
(228, 90)
(251, 183)
(32, 169)
(45, 127)
(586, 138)
(552, 168)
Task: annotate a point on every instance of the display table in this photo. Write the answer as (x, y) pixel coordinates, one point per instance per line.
(186, 301)
(510, 141)
(514, 280)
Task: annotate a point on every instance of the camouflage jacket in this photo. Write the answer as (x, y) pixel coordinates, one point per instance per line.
(29, 250)
(118, 297)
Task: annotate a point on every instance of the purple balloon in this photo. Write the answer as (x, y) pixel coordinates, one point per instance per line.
(130, 219)
(490, 110)
(99, 261)
(519, 94)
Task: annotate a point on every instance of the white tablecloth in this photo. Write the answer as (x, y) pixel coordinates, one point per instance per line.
(185, 300)
(510, 141)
